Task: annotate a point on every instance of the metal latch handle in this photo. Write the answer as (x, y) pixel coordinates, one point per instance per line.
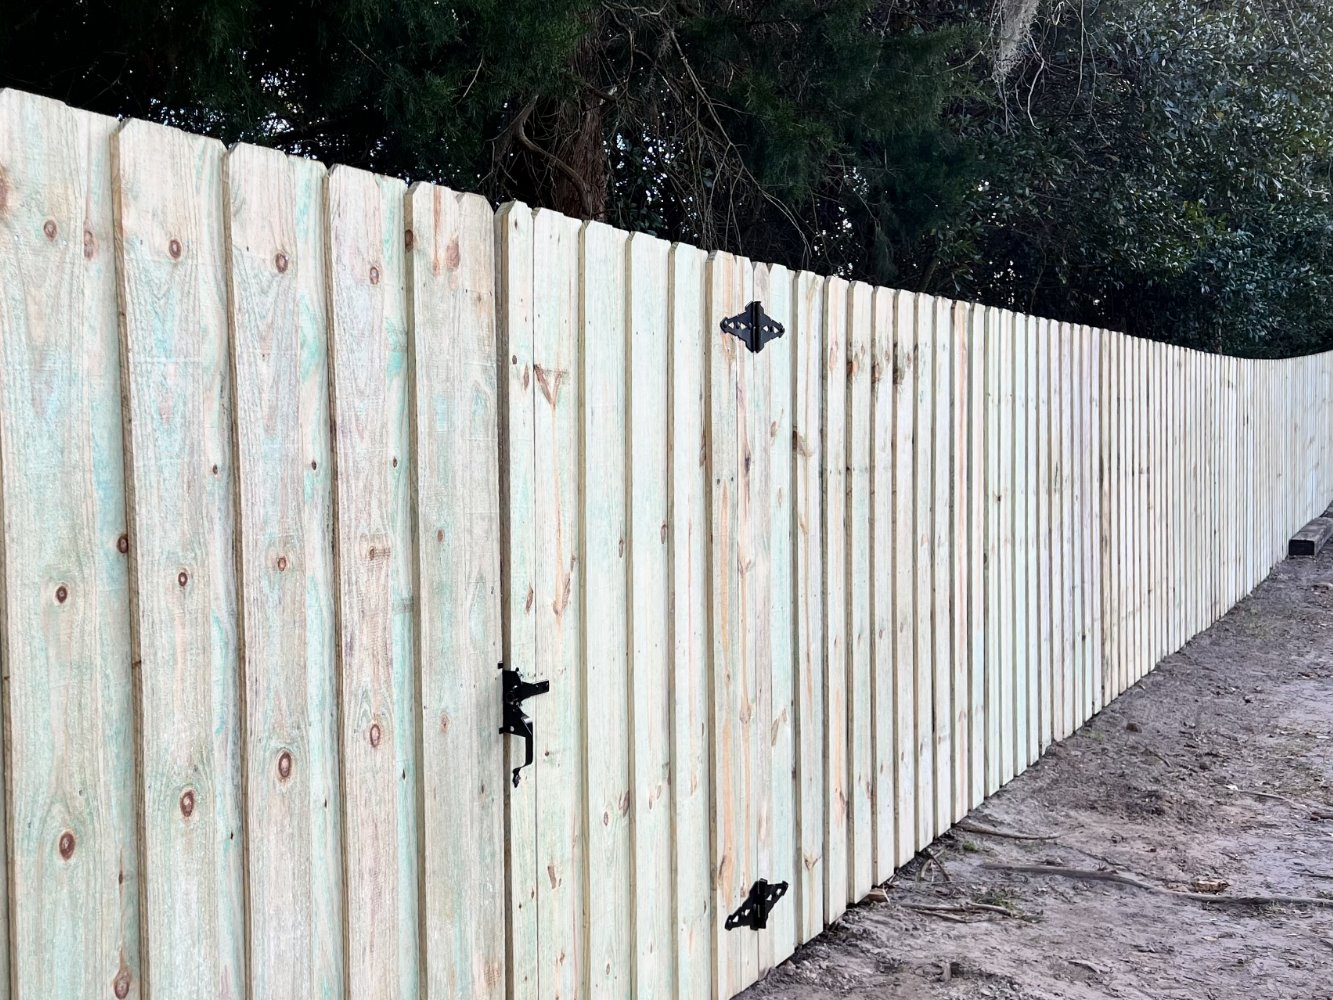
(516, 722)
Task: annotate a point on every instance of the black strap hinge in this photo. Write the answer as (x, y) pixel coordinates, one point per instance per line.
(754, 327)
(515, 691)
(757, 906)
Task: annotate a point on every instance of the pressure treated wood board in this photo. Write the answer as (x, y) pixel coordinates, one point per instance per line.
(374, 565)
(279, 357)
(650, 689)
(68, 772)
(451, 266)
(179, 493)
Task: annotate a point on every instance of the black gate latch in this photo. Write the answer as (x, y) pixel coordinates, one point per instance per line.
(753, 327)
(755, 910)
(516, 722)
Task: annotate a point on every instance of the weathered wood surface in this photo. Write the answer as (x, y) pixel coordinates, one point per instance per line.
(451, 266)
(291, 459)
(275, 241)
(181, 514)
(68, 770)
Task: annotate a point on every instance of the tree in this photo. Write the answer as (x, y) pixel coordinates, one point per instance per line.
(1159, 167)
(793, 130)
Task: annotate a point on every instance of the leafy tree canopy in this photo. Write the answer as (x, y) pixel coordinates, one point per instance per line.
(1157, 166)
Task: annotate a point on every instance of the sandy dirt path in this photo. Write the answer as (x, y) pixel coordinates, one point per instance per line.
(1215, 770)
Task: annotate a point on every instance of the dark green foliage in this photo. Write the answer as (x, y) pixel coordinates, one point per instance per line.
(1157, 166)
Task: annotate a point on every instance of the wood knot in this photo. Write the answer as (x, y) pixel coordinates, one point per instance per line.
(375, 734)
(50, 228)
(121, 984)
(187, 803)
(282, 564)
(62, 594)
(374, 275)
(395, 461)
(281, 263)
(439, 535)
(410, 240)
(284, 765)
(89, 245)
(67, 845)
(174, 248)
(182, 578)
(123, 544)
(452, 256)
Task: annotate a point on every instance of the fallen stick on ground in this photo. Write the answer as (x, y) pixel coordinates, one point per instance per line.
(1317, 810)
(988, 831)
(1084, 875)
(966, 908)
(942, 914)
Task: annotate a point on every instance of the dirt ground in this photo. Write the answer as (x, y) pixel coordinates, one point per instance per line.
(1161, 787)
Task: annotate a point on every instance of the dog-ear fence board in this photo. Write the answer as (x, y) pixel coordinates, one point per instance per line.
(303, 471)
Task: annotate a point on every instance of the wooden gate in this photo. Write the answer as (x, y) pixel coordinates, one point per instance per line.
(649, 454)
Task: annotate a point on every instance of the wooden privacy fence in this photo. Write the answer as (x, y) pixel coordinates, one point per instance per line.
(290, 460)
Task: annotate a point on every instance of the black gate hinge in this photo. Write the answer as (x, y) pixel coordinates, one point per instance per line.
(516, 722)
(754, 327)
(756, 908)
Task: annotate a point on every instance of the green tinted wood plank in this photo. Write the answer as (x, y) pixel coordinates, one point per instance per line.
(924, 578)
(517, 392)
(733, 827)
(778, 840)
(68, 719)
(451, 322)
(978, 552)
(560, 775)
(178, 414)
(905, 371)
(374, 565)
(605, 621)
(654, 943)
(860, 707)
(689, 582)
(807, 440)
(837, 795)
(996, 506)
(959, 555)
(883, 715)
(275, 243)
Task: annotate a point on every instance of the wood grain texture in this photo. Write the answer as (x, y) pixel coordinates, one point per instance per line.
(559, 591)
(837, 794)
(905, 372)
(759, 616)
(924, 583)
(654, 945)
(1023, 548)
(860, 691)
(373, 554)
(68, 771)
(603, 357)
(779, 843)
(1007, 661)
(808, 445)
(960, 554)
(1047, 669)
(517, 394)
(730, 281)
(883, 698)
(942, 591)
(279, 358)
(691, 651)
(451, 323)
(178, 410)
(996, 507)
(978, 552)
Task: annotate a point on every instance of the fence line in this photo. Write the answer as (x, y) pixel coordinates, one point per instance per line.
(290, 459)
